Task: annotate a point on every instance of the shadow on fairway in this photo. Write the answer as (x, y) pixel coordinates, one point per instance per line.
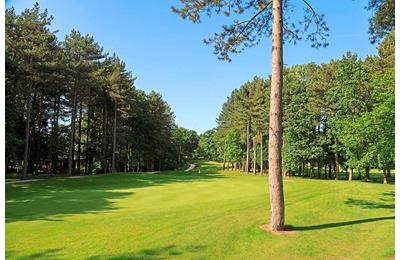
(339, 224)
(386, 201)
(153, 253)
(53, 199)
(47, 254)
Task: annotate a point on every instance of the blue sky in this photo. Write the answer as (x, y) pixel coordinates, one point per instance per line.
(167, 54)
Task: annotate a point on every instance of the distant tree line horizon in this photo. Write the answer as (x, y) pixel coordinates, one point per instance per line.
(338, 118)
(71, 108)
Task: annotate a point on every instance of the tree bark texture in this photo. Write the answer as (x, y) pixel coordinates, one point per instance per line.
(277, 215)
(247, 146)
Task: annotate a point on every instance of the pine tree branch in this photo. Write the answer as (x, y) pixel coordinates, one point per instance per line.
(254, 17)
(310, 7)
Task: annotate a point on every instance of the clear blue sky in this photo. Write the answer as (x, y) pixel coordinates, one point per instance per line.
(167, 54)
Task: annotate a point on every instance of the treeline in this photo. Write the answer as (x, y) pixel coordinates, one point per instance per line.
(72, 108)
(338, 118)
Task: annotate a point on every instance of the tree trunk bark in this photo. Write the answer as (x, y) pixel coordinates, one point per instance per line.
(105, 140)
(27, 127)
(337, 176)
(385, 181)
(54, 133)
(261, 156)
(87, 141)
(277, 216)
(247, 146)
(72, 136)
(367, 173)
(128, 160)
(254, 156)
(351, 174)
(39, 133)
(114, 139)
(79, 138)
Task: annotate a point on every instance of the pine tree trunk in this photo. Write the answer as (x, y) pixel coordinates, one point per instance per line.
(351, 174)
(223, 165)
(367, 173)
(54, 133)
(132, 163)
(87, 141)
(337, 176)
(128, 158)
(385, 181)
(79, 138)
(114, 139)
(318, 170)
(72, 137)
(105, 140)
(277, 216)
(39, 133)
(261, 157)
(27, 127)
(247, 146)
(254, 156)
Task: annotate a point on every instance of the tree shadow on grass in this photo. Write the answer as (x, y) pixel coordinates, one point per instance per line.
(339, 224)
(386, 202)
(53, 199)
(48, 207)
(47, 254)
(153, 253)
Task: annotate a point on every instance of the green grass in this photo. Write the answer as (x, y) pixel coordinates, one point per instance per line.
(186, 215)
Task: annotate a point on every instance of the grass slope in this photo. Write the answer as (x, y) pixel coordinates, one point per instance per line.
(189, 215)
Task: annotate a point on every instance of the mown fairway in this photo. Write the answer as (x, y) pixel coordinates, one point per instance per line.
(189, 215)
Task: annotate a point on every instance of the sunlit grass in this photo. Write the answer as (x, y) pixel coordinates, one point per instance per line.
(187, 215)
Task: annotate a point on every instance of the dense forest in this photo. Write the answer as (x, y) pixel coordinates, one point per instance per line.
(338, 117)
(71, 108)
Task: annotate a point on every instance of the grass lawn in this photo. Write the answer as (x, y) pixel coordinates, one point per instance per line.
(189, 215)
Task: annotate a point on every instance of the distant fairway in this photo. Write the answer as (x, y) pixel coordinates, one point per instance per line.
(187, 215)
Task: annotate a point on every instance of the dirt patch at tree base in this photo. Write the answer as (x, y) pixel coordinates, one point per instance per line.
(288, 231)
